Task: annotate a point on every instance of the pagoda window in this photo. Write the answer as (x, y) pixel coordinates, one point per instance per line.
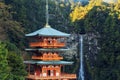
(55, 55)
(57, 73)
(44, 71)
(49, 41)
(52, 73)
(45, 56)
(45, 41)
(54, 41)
(49, 72)
(50, 55)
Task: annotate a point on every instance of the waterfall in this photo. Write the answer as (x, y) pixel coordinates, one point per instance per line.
(81, 70)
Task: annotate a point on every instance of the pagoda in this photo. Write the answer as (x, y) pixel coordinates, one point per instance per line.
(46, 45)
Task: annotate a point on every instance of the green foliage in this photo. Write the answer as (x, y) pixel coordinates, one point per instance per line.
(31, 13)
(4, 69)
(99, 22)
(11, 65)
(17, 67)
(12, 47)
(102, 21)
(4, 14)
(10, 30)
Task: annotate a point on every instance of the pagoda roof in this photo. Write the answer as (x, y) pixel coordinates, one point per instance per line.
(44, 49)
(48, 62)
(48, 31)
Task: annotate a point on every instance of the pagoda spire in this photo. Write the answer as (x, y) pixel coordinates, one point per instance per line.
(47, 15)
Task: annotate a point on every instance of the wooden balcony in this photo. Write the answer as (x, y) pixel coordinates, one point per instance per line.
(63, 76)
(46, 58)
(46, 45)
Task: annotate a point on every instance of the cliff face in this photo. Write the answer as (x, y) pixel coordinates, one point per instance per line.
(90, 47)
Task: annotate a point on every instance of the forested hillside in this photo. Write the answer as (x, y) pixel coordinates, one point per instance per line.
(98, 20)
(101, 22)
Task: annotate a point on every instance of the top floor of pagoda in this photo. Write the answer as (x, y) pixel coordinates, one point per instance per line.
(48, 31)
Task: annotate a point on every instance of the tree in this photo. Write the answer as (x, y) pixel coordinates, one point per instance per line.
(4, 68)
(11, 65)
(17, 67)
(9, 28)
(79, 12)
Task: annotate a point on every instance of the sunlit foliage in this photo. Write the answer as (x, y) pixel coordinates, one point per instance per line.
(79, 12)
(117, 8)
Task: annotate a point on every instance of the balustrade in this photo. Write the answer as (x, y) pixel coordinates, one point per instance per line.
(47, 43)
(64, 76)
(47, 58)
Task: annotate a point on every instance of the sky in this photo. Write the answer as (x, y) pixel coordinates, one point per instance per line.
(109, 0)
(103, 0)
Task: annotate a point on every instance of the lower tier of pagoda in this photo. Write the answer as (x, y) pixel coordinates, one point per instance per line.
(48, 70)
(63, 76)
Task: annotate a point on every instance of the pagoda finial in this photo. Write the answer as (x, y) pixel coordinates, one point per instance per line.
(47, 25)
(47, 15)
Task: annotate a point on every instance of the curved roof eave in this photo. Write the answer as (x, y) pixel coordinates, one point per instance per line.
(49, 62)
(48, 31)
(42, 49)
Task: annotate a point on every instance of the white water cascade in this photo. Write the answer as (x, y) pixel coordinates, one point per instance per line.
(81, 70)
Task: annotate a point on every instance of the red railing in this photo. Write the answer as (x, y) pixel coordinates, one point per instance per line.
(46, 45)
(63, 76)
(47, 58)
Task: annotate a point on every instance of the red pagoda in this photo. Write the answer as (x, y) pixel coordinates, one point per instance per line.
(46, 45)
